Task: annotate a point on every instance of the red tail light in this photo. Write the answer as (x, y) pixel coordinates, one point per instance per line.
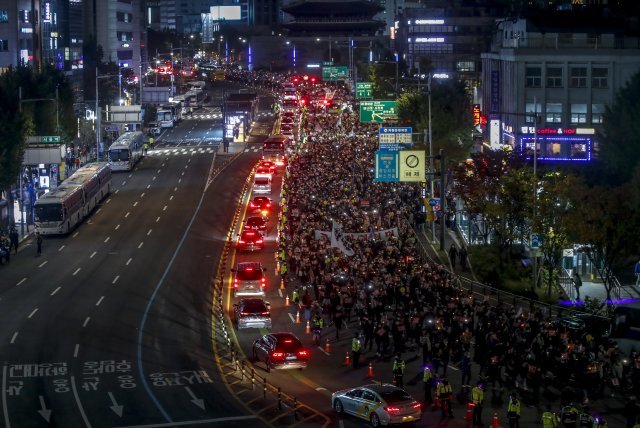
(240, 241)
(391, 409)
(244, 314)
(235, 283)
(417, 406)
(277, 354)
(303, 353)
(265, 314)
(264, 282)
(259, 241)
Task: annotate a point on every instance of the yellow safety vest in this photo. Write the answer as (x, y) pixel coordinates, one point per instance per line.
(443, 389)
(549, 420)
(514, 407)
(355, 345)
(426, 375)
(477, 395)
(398, 365)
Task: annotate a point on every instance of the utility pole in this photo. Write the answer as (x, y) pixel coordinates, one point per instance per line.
(443, 199)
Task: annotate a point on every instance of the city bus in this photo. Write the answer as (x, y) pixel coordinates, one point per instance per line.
(196, 97)
(60, 210)
(274, 149)
(95, 179)
(126, 151)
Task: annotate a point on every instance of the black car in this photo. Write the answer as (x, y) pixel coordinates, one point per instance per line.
(252, 313)
(280, 351)
(597, 326)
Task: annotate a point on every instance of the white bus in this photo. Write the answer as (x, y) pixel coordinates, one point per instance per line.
(95, 179)
(196, 97)
(274, 149)
(126, 151)
(60, 210)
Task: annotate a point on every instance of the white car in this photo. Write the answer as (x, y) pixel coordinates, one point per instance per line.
(379, 404)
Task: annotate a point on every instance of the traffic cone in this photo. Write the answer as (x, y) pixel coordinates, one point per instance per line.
(370, 373)
(469, 415)
(286, 301)
(282, 284)
(327, 347)
(436, 402)
(347, 359)
(495, 423)
(298, 317)
(308, 330)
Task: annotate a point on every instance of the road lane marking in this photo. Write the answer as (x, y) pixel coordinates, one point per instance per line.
(182, 173)
(76, 272)
(320, 388)
(148, 186)
(291, 316)
(154, 178)
(280, 292)
(186, 166)
(175, 189)
(164, 208)
(13, 338)
(327, 354)
(149, 232)
(55, 291)
(141, 244)
(194, 422)
(33, 312)
(115, 279)
(135, 203)
(127, 214)
(142, 195)
(75, 351)
(158, 172)
(130, 175)
(108, 200)
(75, 395)
(86, 321)
(98, 210)
(5, 409)
(61, 248)
(76, 234)
(107, 239)
(93, 254)
(100, 301)
(179, 180)
(157, 219)
(21, 281)
(171, 197)
(117, 227)
(162, 164)
(43, 263)
(124, 182)
(128, 261)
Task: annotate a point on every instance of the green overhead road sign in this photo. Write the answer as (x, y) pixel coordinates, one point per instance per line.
(43, 139)
(364, 89)
(335, 73)
(378, 111)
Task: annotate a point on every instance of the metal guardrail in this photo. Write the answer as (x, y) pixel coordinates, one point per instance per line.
(497, 296)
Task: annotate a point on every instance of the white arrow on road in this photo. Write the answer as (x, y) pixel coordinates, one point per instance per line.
(44, 412)
(117, 409)
(197, 401)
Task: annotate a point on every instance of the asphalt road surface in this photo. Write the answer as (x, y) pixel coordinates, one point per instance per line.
(111, 326)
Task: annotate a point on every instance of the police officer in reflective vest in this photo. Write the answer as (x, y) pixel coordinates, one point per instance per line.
(513, 411)
(356, 346)
(427, 380)
(549, 419)
(477, 397)
(398, 371)
(444, 392)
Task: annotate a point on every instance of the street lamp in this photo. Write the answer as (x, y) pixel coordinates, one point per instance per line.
(98, 115)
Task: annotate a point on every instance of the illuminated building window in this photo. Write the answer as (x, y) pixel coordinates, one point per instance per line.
(554, 77)
(533, 76)
(578, 113)
(531, 109)
(597, 113)
(599, 77)
(578, 77)
(466, 66)
(4, 17)
(554, 113)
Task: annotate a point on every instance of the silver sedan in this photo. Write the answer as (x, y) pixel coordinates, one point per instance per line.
(379, 404)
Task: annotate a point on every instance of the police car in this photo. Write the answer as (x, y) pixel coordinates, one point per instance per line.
(379, 404)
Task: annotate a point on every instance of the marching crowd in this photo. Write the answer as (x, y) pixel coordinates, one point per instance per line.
(405, 304)
(344, 270)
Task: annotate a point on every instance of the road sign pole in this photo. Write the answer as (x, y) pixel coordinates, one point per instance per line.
(443, 199)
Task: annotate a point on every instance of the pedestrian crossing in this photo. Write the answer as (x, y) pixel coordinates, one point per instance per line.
(181, 151)
(202, 116)
(192, 142)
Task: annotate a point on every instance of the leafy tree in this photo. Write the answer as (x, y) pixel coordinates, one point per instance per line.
(451, 121)
(383, 76)
(607, 219)
(11, 129)
(620, 139)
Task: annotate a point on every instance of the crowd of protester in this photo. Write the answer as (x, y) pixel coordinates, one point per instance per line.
(402, 303)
